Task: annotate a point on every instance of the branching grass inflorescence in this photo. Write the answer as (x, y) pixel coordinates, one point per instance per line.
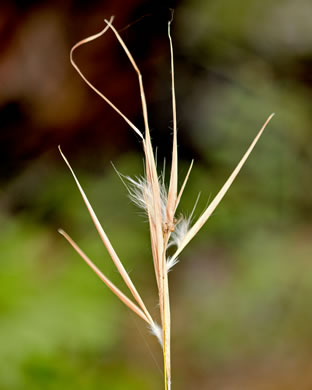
(160, 205)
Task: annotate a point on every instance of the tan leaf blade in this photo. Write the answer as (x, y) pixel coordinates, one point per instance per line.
(133, 63)
(184, 184)
(108, 283)
(108, 245)
(151, 171)
(210, 209)
(82, 42)
(173, 185)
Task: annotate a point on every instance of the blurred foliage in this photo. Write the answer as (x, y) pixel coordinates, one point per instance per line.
(59, 325)
(241, 294)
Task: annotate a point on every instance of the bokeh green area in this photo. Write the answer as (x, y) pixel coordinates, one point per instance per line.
(241, 294)
(59, 324)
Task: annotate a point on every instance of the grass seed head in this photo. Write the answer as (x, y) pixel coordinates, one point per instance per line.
(160, 205)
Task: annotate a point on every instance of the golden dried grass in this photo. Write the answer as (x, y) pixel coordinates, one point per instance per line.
(159, 204)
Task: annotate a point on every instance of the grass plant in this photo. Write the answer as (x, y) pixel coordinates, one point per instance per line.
(159, 202)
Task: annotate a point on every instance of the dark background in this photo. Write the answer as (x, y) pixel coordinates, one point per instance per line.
(241, 294)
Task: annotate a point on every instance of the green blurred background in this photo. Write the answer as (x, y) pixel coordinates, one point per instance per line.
(242, 292)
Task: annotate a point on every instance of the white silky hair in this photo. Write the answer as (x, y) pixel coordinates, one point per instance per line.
(157, 331)
(171, 262)
(180, 231)
(141, 194)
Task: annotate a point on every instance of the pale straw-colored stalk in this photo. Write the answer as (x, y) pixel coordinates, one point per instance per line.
(160, 206)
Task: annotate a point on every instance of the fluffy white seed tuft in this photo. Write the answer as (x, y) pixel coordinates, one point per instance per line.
(182, 228)
(180, 231)
(156, 330)
(141, 194)
(171, 262)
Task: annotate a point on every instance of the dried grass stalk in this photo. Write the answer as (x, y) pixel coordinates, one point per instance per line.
(159, 204)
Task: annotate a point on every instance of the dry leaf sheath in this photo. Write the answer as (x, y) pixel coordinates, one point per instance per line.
(160, 205)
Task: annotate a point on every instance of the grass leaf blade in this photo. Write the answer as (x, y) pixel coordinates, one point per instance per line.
(123, 273)
(108, 283)
(212, 206)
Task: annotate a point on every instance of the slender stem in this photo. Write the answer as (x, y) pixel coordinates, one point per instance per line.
(166, 334)
(166, 318)
(165, 370)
